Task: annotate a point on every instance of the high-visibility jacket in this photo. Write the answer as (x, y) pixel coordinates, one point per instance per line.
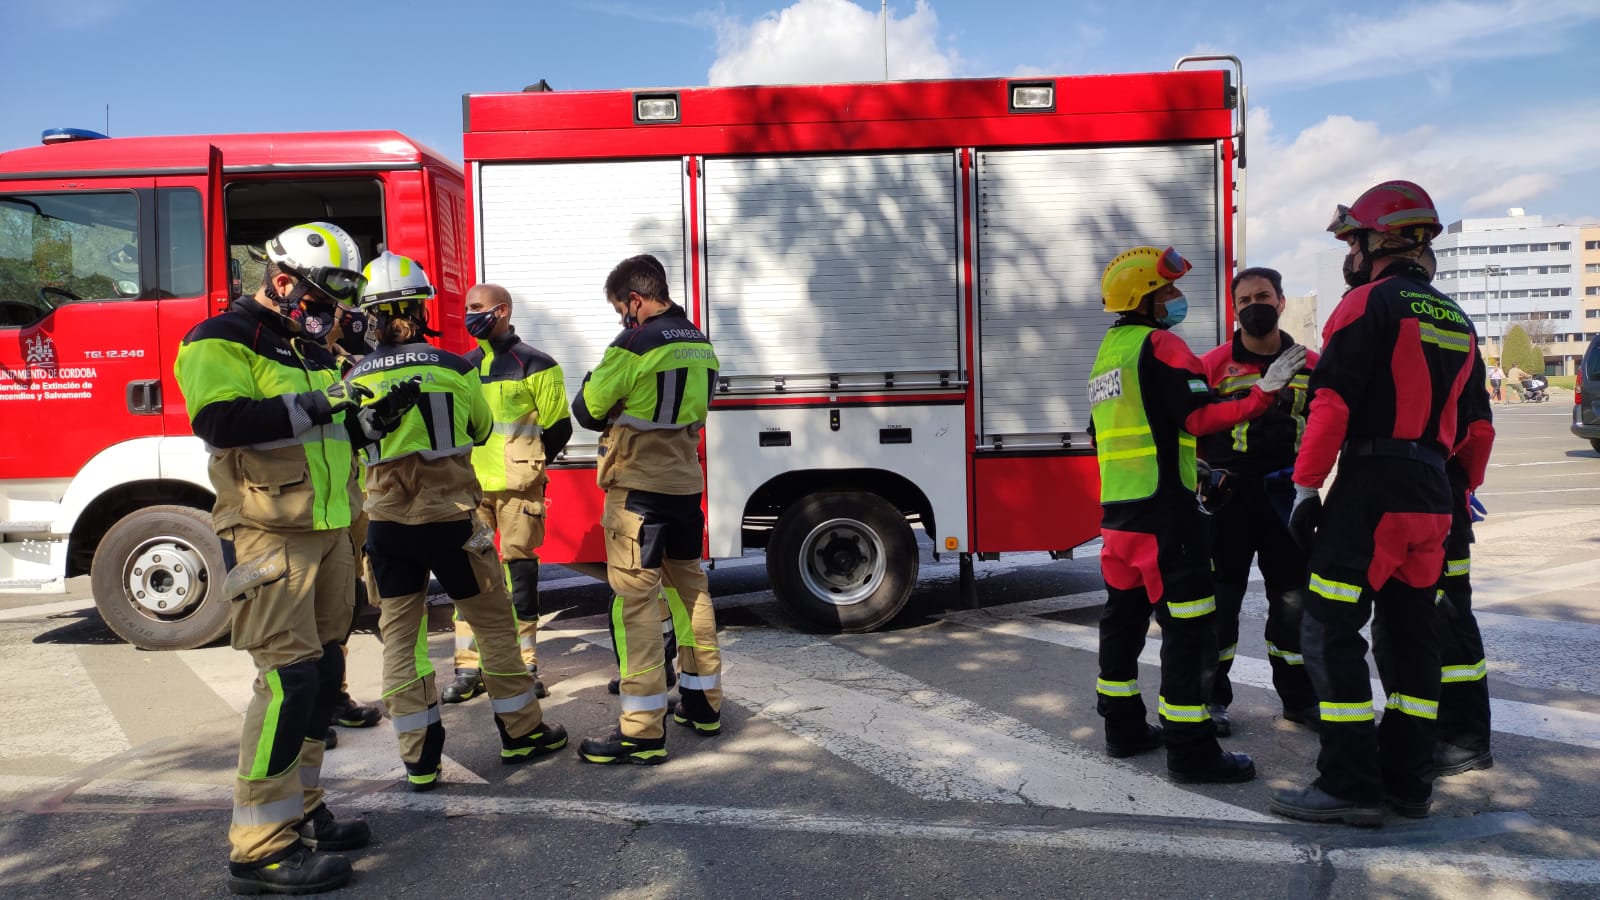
(662, 374)
(528, 400)
(422, 470)
(1148, 400)
(271, 467)
(1270, 441)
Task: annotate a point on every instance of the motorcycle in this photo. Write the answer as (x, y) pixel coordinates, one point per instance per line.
(1534, 389)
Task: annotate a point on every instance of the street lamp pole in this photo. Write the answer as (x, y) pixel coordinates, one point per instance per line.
(1500, 343)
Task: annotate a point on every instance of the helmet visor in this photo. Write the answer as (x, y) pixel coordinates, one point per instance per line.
(340, 285)
(1171, 265)
(1343, 222)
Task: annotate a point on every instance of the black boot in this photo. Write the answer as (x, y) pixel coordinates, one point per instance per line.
(331, 741)
(1307, 716)
(1219, 718)
(1313, 804)
(1449, 759)
(295, 871)
(1124, 746)
(538, 686)
(350, 714)
(1225, 768)
(322, 832)
(615, 749)
(545, 738)
(468, 684)
(694, 711)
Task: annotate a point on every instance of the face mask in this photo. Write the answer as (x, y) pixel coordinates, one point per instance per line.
(479, 324)
(353, 335)
(1258, 319)
(317, 320)
(1177, 310)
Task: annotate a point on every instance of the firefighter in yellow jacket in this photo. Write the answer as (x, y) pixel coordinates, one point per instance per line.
(264, 394)
(422, 497)
(652, 389)
(528, 399)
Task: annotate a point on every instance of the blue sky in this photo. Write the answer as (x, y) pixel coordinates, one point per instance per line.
(1488, 103)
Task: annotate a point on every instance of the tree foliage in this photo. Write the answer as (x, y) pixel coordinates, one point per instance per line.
(1519, 351)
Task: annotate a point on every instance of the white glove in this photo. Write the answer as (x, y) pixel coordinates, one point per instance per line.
(1283, 368)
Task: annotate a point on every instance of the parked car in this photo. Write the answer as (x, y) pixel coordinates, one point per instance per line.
(1586, 403)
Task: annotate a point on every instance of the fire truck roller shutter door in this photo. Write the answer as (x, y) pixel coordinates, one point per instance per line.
(843, 561)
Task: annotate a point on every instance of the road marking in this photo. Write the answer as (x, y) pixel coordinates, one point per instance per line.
(1546, 723)
(1548, 462)
(46, 609)
(1524, 493)
(1254, 847)
(1524, 584)
(68, 719)
(930, 743)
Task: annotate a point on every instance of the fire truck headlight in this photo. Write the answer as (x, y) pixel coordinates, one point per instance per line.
(655, 108)
(1033, 96)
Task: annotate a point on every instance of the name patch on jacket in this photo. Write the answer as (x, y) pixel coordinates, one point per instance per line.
(1105, 387)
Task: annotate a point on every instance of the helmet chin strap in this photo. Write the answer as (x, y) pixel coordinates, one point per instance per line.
(288, 305)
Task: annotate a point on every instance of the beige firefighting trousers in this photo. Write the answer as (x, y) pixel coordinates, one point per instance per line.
(295, 596)
(518, 516)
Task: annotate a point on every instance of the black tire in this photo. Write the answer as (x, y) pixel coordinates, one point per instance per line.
(843, 562)
(156, 551)
(1595, 443)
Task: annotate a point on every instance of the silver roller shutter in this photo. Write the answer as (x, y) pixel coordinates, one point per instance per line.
(552, 232)
(1049, 222)
(832, 265)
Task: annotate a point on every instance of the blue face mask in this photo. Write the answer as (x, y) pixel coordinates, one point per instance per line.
(1177, 310)
(479, 324)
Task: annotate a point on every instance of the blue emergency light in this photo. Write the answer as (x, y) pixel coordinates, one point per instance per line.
(69, 135)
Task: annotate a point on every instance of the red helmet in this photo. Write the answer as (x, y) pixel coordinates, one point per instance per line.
(1393, 207)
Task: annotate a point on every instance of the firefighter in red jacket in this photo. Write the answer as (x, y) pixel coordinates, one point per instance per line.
(1258, 456)
(1392, 399)
(1148, 399)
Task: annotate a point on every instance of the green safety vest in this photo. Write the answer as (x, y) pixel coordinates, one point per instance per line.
(524, 403)
(1124, 444)
(451, 414)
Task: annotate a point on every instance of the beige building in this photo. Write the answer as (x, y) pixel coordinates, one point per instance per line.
(1300, 319)
(1589, 259)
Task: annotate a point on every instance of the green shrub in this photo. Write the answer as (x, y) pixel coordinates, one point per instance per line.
(1519, 351)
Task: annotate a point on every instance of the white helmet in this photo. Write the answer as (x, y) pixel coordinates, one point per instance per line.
(322, 255)
(394, 282)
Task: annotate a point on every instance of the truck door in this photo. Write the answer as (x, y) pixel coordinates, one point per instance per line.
(192, 271)
(79, 363)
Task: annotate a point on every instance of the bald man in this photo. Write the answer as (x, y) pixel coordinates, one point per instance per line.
(531, 425)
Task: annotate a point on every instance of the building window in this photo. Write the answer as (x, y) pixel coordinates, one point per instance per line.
(1591, 245)
(1592, 290)
(1591, 267)
(1564, 245)
(1591, 314)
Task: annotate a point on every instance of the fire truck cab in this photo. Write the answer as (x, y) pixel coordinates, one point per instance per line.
(111, 249)
(902, 282)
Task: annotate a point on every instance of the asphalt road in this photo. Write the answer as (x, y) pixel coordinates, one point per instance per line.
(956, 753)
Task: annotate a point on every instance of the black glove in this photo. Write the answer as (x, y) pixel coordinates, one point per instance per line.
(1305, 515)
(383, 416)
(323, 405)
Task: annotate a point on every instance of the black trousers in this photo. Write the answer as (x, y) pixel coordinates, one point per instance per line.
(1377, 554)
(1249, 527)
(1464, 670)
(1166, 572)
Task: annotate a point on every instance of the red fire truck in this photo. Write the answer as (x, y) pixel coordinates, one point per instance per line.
(901, 280)
(110, 250)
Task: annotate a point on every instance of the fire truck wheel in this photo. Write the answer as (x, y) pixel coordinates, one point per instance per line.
(843, 561)
(151, 575)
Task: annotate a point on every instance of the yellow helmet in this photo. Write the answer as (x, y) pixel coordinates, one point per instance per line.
(1134, 274)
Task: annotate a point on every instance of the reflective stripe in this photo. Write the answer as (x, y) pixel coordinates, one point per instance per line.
(1335, 590)
(511, 704)
(1293, 659)
(699, 682)
(631, 703)
(1128, 454)
(269, 725)
(416, 721)
(1241, 437)
(419, 651)
(289, 809)
(639, 424)
(1456, 674)
(1445, 340)
(519, 429)
(667, 397)
(1238, 382)
(1226, 653)
(1347, 712)
(310, 776)
(1414, 706)
(311, 435)
(1174, 713)
(1116, 688)
(1438, 597)
(1457, 566)
(1194, 609)
(442, 427)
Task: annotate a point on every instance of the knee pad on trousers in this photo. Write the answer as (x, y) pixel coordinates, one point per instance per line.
(299, 683)
(524, 588)
(330, 673)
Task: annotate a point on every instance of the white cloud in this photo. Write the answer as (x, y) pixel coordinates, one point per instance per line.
(1295, 182)
(1421, 36)
(814, 41)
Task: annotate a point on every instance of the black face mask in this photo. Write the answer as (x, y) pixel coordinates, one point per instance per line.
(316, 319)
(1258, 319)
(353, 332)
